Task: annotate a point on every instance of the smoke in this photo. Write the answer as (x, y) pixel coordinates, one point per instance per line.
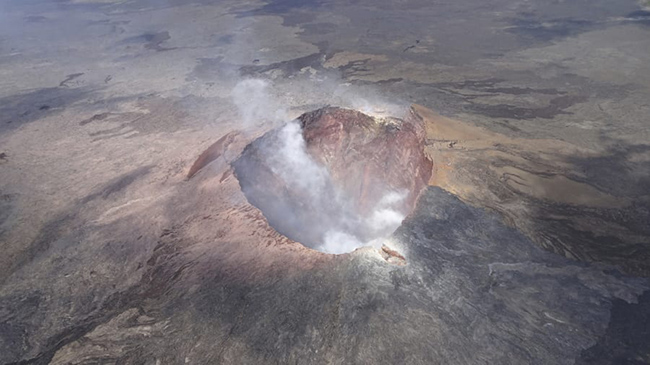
(262, 102)
(297, 195)
(301, 200)
(382, 221)
(292, 163)
(339, 242)
(385, 216)
(255, 103)
(328, 212)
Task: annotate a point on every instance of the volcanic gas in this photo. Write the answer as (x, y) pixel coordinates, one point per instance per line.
(336, 179)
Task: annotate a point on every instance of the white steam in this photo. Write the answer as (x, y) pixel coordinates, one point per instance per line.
(340, 229)
(385, 218)
(382, 221)
(311, 209)
(294, 165)
(255, 104)
(339, 242)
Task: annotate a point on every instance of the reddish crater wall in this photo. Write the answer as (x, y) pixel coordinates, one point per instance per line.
(368, 156)
(366, 159)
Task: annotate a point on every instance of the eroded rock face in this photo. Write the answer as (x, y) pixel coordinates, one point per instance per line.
(368, 156)
(336, 179)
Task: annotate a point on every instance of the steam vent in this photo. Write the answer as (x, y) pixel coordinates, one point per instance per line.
(336, 178)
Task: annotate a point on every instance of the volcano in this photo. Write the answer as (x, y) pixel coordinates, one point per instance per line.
(336, 178)
(324, 182)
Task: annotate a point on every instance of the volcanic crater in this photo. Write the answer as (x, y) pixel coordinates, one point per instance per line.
(336, 179)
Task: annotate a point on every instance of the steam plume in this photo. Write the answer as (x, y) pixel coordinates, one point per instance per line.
(309, 207)
(255, 104)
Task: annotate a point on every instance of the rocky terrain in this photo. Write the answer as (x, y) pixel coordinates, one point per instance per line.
(144, 145)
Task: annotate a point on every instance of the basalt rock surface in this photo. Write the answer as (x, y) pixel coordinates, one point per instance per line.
(211, 282)
(550, 190)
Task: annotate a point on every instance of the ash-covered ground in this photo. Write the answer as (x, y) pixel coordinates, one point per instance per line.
(530, 243)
